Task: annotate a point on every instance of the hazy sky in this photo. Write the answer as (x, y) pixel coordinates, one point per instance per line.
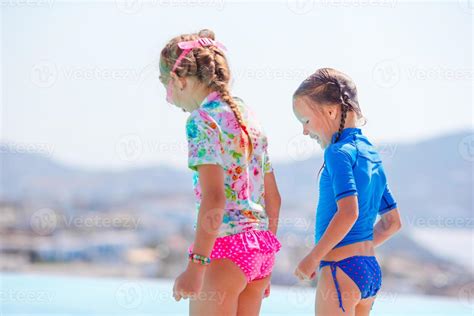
(80, 84)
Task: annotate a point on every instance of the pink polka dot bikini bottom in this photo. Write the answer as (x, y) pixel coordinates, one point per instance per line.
(252, 251)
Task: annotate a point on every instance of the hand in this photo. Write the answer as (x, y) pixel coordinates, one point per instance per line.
(306, 269)
(189, 283)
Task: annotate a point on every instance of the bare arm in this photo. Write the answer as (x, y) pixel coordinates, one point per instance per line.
(340, 225)
(272, 201)
(211, 179)
(387, 226)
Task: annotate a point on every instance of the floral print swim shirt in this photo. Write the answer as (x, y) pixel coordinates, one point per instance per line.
(214, 137)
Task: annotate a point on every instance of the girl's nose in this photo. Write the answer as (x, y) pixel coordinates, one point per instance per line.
(305, 131)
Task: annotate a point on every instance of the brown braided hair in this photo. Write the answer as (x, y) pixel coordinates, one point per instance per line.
(210, 66)
(328, 86)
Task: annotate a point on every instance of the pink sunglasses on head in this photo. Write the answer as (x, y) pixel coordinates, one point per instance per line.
(187, 47)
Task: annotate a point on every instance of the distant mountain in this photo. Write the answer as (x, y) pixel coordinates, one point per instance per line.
(430, 179)
(434, 178)
(28, 176)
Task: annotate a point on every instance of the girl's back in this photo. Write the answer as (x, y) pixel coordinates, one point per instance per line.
(215, 136)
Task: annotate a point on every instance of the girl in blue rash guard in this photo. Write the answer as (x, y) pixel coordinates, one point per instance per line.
(353, 189)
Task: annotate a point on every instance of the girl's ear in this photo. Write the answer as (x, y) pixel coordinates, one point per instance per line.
(182, 83)
(331, 111)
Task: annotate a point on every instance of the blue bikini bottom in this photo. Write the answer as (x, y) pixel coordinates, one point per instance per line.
(363, 270)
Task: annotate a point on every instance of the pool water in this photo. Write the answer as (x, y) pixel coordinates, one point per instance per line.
(30, 294)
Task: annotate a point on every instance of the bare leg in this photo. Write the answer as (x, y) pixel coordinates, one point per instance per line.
(327, 303)
(364, 306)
(223, 282)
(250, 300)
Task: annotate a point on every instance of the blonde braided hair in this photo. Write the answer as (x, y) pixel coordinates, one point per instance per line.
(210, 66)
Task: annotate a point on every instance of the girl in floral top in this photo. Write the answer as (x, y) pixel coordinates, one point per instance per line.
(214, 138)
(231, 259)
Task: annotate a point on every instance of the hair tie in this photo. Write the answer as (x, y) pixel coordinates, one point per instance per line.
(345, 98)
(200, 42)
(189, 45)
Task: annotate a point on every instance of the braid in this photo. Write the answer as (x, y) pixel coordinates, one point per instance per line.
(219, 82)
(343, 121)
(330, 86)
(209, 65)
(344, 108)
(221, 87)
(214, 71)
